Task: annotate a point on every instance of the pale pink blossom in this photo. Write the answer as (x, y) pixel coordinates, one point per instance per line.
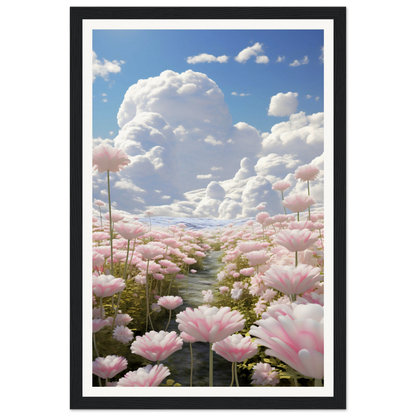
(156, 346)
(208, 296)
(299, 342)
(265, 375)
(235, 348)
(296, 240)
(109, 366)
(187, 338)
(105, 157)
(292, 280)
(123, 334)
(298, 202)
(207, 324)
(99, 203)
(236, 293)
(100, 236)
(107, 285)
(170, 302)
(130, 231)
(261, 217)
(281, 186)
(247, 272)
(301, 225)
(145, 376)
(150, 251)
(307, 173)
(257, 257)
(115, 216)
(224, 289)
(97, 324)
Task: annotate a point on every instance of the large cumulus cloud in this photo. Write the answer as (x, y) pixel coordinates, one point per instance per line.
(188, 159)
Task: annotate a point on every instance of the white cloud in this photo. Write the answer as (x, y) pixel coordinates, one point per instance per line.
(240, 95)
(305, 60)
(283, 104)
(280, 58)
(295, 63)
(103, 69)
(317, 98)
(262, 59)
(248, 52)
(234, 93)
(104, 94)
(204, 57)
(321, 58)
(211, 140)
(111, 133)
(308, 96)
(105, 100)
(171, 137)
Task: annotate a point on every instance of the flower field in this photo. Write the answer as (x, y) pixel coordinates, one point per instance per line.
(259, 320)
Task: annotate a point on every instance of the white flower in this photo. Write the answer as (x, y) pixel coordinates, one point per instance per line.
(123, 334)
(236, 293)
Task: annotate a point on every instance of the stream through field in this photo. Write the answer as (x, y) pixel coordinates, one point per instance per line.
(179, 363)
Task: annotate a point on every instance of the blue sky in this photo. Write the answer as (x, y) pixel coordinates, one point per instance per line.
(147, 53)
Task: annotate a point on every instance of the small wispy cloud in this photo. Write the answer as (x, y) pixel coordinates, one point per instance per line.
(304, 61)
(206, 58)
(250, 51)
(262, 59)
(280, 58)
(239, 95)
(104, 68)
(308, 96)
(209, 139)
(209, 176)
(317, 98)
(321, 58)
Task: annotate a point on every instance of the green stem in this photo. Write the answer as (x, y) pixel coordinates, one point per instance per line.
(318, 382)
(101, 307)
(124, 278)
(170, 315)
(309, 208)
(298, 216)
(131, 257)
(111, 227)
(283, 205)
(211, 366)
(232, 374)
(192, 362)
(170, 285)
(147, 295)
(296, 259)
(95, 345)
(236, 374)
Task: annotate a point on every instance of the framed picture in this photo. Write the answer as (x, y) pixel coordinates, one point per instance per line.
(201, 210)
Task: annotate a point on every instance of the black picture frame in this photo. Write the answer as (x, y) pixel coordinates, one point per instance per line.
(77, 15)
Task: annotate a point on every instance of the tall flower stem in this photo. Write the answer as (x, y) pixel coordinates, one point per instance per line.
(192, 363)
(309, 208)
(147, 294)
(95, 345)
(101, 307)
(232, 374)
(170, 316)
(124, 278)
(298, 216)
(101, 218)
(111, 226)
(211, 366)
(131, 257)
(170, 285)
(283, 205)
(236, 374)
(296, 259)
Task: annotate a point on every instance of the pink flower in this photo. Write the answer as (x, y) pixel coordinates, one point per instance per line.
(299, 342)
(224, 289)
(100, 236)
(281, 186)
(187, 338)
(307, 173)
(236, 293)
(107, 285)
(130, 231)
(301, 225)
(109, 366)
(150, 251)
(210, 324)
(235, 348)
(170, 302)
(261, 217)
(99, 203)
(247, 272)
(156, 345)
(292, 280)
(248, 246)
(145, 376)
(189, 260)
(97, 324)
(296, 240)
(257, 257)
(97, 260)
(298, 203)
(123, 334)
(115, 216)
(208, 296)
(105, 157)
(264, 375)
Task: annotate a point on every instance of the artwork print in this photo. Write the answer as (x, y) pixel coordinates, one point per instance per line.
(208, 212)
